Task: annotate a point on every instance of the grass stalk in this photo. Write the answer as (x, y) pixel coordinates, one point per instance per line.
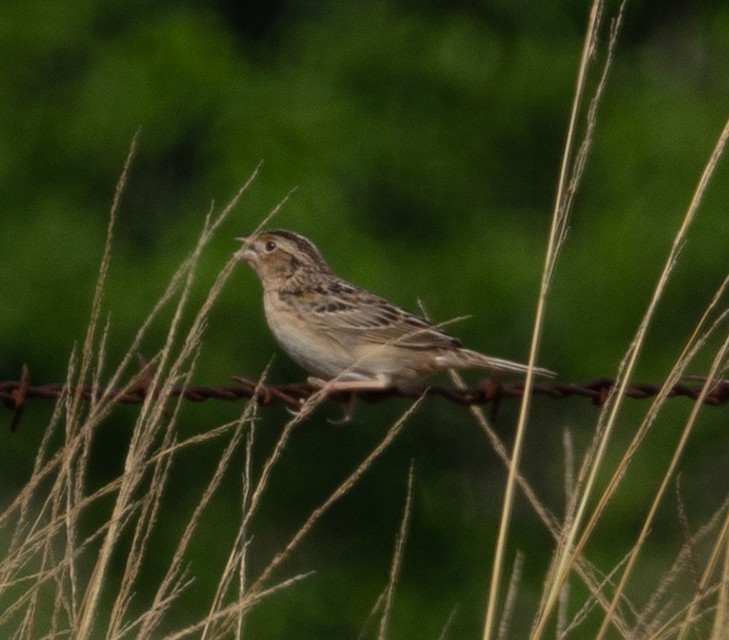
(563, 204)
(397, 557)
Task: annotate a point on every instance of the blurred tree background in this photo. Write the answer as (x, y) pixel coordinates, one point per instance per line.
(423, 140)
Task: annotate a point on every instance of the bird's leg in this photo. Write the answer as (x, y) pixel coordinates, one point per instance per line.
(351, 386)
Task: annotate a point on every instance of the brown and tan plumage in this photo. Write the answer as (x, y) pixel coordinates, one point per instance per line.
(335, 329)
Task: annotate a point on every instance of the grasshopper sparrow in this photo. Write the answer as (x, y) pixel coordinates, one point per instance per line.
(337, 330)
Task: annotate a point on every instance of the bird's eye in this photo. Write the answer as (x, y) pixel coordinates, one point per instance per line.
(269, 246)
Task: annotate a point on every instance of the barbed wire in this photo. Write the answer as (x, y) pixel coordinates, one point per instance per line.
(15, 393)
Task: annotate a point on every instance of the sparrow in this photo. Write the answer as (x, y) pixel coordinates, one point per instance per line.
(340, 332)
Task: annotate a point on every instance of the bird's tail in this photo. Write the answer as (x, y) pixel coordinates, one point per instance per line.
(465, 358)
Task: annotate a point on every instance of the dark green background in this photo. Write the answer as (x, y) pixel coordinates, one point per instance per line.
(424, 142)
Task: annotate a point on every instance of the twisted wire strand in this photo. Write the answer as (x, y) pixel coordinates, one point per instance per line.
(14, 394)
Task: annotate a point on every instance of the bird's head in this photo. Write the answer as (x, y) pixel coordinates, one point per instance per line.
(278, 255)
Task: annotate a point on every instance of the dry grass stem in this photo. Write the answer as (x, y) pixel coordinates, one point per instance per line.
(589, 575)
(499, 447)
(721, 547)
(608, 418)
(716, 367)
(152, 411)
(236, 562)
(397, 559)
(570, 505)
(59, 477)
(721, 620)
(343, 488)
(447, 626)
(651, 621)
(232, 611)
(174, 575)
(696, 341)
(560, 217)
(511, 594)
(693, 346)
(243, 534)
(89, 343)
(370, 616)
(218, 623)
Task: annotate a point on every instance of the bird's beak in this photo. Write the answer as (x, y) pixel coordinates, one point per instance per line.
(246, 253)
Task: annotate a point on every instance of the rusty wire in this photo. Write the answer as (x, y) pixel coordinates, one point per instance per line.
(15, 393)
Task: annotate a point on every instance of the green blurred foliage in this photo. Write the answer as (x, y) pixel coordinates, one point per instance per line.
(423, 141)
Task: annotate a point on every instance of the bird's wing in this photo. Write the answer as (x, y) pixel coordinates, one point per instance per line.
(350, 311)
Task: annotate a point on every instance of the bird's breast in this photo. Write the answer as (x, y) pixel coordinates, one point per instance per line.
(310, 346)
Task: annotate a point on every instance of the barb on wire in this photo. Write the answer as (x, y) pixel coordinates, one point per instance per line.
(15, 393)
